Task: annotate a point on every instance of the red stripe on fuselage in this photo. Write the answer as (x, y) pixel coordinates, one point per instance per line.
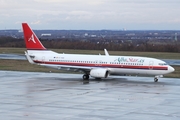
(104, 65)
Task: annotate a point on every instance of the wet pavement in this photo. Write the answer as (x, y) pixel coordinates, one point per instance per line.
(13, 56)
(55, 96)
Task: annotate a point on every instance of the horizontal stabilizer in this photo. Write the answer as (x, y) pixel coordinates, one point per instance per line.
(29, 58)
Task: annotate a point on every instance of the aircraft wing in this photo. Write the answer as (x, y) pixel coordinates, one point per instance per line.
(71, 68)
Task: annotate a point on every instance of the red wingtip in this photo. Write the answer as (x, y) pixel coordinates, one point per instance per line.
(31, 40)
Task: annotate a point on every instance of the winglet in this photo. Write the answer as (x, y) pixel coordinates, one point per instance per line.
(31, 40)
(106, 52)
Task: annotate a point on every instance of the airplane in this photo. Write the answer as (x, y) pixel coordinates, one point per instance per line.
(96, 66)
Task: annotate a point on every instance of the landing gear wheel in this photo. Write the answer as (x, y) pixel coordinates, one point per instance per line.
(85, 77)
(155, 79)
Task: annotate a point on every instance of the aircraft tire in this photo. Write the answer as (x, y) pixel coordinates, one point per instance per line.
(85, 77)
(155, 79)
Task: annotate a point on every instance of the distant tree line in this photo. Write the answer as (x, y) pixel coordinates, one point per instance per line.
(11, 42)
(92, 45)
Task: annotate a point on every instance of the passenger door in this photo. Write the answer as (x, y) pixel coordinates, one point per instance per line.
(151, 65)
(43, 59)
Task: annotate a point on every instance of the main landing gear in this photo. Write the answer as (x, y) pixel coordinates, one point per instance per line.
(85, 77)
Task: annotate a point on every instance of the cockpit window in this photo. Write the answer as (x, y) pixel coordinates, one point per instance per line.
(163, 64)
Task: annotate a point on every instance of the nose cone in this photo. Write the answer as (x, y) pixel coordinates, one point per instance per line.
(170, 69)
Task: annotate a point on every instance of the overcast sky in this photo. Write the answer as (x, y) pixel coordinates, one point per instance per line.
(91, 14)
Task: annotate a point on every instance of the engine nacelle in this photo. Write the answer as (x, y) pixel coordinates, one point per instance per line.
(99, 73)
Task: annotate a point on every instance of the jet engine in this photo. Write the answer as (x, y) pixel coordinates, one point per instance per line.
(99, 73)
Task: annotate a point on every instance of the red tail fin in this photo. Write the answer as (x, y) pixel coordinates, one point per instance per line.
(31, 40)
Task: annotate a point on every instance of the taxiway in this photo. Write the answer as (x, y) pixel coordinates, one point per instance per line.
(41, 96)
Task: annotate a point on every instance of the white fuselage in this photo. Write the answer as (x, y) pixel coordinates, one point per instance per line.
(114, 64)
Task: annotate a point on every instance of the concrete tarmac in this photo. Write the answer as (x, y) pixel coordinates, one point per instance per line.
(55, 96)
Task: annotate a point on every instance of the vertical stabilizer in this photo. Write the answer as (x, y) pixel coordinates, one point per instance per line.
(31, 40)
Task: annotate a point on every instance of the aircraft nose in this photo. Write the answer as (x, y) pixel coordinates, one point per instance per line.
(170, 69)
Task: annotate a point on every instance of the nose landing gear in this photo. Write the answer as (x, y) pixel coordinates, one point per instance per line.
(155, 79)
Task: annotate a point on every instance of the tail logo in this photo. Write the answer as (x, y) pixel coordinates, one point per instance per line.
(32, 39)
